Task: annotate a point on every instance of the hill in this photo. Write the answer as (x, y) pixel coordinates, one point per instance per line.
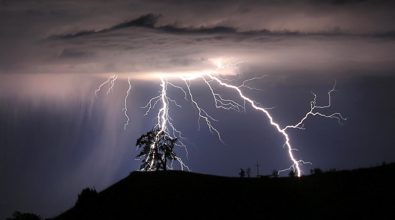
(358, 194)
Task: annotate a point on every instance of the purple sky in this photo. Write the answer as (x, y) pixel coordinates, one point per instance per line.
(55, 140)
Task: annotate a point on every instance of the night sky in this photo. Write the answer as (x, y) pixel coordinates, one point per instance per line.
(56, 138)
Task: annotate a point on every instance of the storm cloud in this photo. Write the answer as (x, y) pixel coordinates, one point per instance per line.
(57, 136)
(123, 36)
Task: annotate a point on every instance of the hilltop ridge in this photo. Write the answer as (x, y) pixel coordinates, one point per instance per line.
(362, 193)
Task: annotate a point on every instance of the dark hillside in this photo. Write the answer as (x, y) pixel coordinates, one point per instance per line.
(358, 194)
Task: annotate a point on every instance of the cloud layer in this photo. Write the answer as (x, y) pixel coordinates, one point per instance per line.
(175, 35)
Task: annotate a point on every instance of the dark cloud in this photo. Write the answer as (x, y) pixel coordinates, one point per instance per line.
(147, 21)
(388, 34)
(345, 2)
(150, 21)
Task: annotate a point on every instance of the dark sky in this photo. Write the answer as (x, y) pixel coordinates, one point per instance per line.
(56, 139)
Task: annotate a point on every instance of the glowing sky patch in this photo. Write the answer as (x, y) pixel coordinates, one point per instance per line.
(164, 120)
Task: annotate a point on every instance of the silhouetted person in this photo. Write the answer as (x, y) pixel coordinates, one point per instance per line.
(242, 173)
(257, 169)
(248, 171)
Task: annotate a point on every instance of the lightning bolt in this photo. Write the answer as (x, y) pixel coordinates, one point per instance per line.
(222, 103)
(114, 78)
(125, 108)
(202, 114)
(313, 106)
(165, 122)
(244, 84)
(296, 163)
(110, 79)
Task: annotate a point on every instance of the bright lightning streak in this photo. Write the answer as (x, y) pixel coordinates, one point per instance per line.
(163, 113)
(164, 122)
(220, 102)
(203, 113)
(103, 84)
(180, 88)
(149, 104)
(244, 83)
(313, 106)
(111, 80)
(296, 163)
(114, 78)
(125, 108)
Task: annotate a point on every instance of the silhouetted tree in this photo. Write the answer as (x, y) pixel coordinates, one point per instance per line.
(87, 196)
(156, 149)
(24, 216)
(248, 171)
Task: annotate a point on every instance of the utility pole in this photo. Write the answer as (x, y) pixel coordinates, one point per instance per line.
(257, 169)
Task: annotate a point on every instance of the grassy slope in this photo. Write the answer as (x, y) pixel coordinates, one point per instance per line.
(364, 194)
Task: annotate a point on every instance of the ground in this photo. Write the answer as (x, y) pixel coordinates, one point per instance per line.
(357, 194)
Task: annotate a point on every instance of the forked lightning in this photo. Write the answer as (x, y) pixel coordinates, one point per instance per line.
(165, 122)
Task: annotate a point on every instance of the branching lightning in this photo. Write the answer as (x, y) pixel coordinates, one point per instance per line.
(164, 122)
(313, 106)
(114, 78)
(296, 164)
(220, 102)
(244, 84)
(110, 79)
(203, 115)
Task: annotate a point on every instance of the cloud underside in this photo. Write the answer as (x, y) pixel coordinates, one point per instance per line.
(140, 46)
(330, 35)
(150, 21)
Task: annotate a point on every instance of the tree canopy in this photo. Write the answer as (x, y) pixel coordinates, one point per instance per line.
(156, 149)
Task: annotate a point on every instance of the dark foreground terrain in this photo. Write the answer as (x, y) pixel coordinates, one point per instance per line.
(358, 194)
